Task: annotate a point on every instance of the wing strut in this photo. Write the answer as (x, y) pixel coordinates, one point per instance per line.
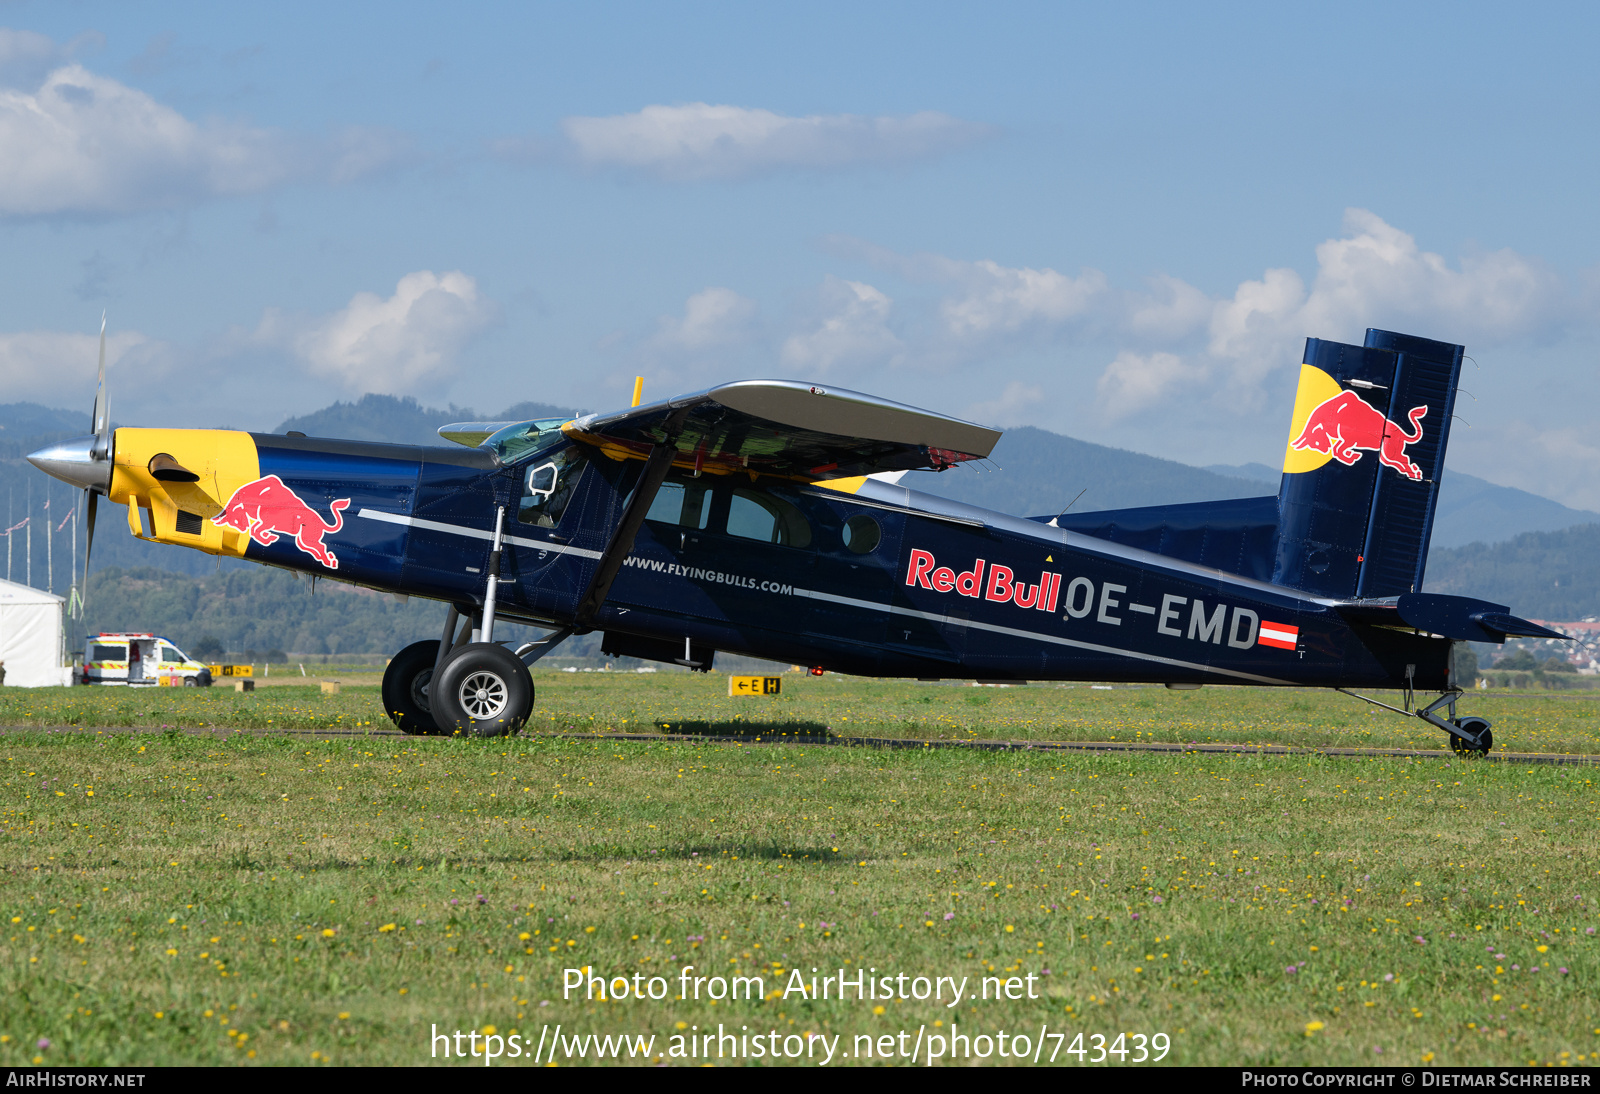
(644, 495)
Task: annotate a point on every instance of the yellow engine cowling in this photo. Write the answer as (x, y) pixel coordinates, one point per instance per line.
(180, 512)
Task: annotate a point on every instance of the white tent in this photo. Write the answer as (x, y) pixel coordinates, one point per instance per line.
(31, 639)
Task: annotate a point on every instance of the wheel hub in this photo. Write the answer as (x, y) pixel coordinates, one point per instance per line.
(419, 688)
(484, 695)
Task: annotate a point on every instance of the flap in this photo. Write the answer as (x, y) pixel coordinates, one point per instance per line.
(790, 429)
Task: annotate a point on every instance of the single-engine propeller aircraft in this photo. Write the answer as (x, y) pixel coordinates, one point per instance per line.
(754, 518)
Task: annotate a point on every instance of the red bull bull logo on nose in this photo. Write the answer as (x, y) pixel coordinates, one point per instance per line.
(1345, 425)
(267, 507)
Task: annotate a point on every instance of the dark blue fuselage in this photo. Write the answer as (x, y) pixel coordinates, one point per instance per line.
(882, 581)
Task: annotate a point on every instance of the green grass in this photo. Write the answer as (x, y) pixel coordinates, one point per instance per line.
(625, 702)
(181, 913)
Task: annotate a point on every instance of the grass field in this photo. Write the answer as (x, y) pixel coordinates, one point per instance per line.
(268, 898)
(1559, 722)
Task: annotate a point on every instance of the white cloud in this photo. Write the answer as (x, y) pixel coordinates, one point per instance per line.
(1000, 299)
(713, 319)
(403, 345)
(1168, 337)
(988, 302)
(1171, 311)
(1377, 276)
(357, 151)
(75, 143)
(60, 369)
(851, 331)
(1560, 462)
(1015, 405)
(1134, 382)
(701, 141)
(82, 143)
(25, 57)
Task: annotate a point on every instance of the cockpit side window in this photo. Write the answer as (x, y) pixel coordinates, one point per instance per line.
(548, 482)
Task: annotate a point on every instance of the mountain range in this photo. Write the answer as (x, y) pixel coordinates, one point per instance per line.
(1492, 541)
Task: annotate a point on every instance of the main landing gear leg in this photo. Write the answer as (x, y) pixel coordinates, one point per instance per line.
(1467, 735)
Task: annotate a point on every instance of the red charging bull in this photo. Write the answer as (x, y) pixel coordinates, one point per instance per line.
(266, 507)
(1346, 424)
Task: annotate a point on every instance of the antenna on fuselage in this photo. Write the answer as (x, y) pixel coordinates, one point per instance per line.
(638, 390)
(1064, 508)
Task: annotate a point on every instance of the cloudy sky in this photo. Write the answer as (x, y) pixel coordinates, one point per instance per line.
(1117, 221)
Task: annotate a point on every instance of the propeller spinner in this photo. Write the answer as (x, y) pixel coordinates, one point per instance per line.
(85, 461)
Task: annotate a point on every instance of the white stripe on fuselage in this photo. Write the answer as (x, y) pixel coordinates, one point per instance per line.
(1016, 633)
(475, 533)
(581, 552)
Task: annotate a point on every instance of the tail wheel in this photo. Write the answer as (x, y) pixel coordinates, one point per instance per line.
(406, 685)
(482, 690)
(1478, 727)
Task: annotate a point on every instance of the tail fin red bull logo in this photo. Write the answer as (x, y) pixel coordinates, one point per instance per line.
(266, 507)
(1345, 425)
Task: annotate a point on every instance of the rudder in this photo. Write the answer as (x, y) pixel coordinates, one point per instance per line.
(1360, 527)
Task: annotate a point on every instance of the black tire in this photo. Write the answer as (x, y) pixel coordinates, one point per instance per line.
(191, 681)
(405, 688)
(482, 690)
(1474, 725)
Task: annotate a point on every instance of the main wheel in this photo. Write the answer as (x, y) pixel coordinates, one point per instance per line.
(483, 690)
(1478, 726)
(405, 687)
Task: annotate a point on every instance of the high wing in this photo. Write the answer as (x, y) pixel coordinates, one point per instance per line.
(788, 429)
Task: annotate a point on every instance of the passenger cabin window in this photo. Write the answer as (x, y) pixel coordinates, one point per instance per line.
(547, 486)
(710, 505)
(108, 653)
(861, 534)
(753, 514)
(686, 504)
(169, 655)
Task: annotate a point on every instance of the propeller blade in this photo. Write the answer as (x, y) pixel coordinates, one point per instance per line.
(100, 419)
(88, 546)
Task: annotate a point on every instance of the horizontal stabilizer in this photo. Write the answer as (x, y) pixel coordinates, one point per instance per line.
(1458, 617)
(789, 429)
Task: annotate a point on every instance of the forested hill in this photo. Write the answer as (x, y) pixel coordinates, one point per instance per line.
(24, 490)
(1034, 471)
(253, 610)
(404, 421)
(1542, 575)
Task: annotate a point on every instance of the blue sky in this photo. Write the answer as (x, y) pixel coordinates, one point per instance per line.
(1117, 221)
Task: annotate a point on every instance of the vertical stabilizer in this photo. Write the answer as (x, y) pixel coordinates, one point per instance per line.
(1362, 468)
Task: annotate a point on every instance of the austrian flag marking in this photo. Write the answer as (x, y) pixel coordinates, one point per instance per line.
(1281, 635)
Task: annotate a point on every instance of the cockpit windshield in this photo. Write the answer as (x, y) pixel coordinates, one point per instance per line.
(516, 441)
